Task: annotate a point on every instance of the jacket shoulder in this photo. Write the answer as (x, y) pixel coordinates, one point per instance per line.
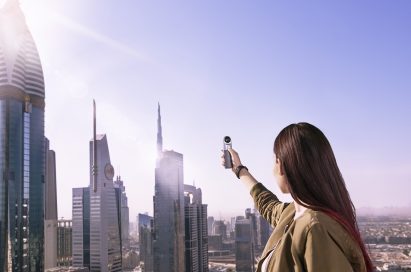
(319, 232)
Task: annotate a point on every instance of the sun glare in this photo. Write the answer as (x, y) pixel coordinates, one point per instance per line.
(35, 12)
(42, 22)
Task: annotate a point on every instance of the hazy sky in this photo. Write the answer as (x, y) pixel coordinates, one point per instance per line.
(240, 68)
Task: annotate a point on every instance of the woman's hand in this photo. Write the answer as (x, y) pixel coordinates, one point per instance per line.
(247, 179)
(234, 157)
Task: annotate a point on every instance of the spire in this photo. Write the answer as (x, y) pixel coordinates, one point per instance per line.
(159, 134)
(94, 170)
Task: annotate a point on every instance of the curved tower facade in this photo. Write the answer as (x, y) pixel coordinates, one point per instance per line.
(22, 156)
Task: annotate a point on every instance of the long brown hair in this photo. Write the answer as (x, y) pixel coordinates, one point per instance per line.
(314, 179)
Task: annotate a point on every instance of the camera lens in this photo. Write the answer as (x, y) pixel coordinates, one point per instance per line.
(227, 139)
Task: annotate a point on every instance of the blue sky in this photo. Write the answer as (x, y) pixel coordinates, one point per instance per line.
(239, 68)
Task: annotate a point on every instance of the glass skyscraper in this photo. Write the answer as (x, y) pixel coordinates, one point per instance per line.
(22, 156)
(124, 212)
(169, 229)
(196, 237)
(145, 233)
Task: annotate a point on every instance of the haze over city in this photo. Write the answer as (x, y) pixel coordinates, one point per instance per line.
(239, 68)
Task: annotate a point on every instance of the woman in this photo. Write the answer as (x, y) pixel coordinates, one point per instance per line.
(318, 231)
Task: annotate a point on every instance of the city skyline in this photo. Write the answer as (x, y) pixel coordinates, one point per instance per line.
(239, 69)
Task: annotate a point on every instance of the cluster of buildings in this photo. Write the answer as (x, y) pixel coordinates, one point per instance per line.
(386, 230)
(389, 241)
(31, 236)
(180, 236)
(237, 244)
(175, 238)
(96, 238)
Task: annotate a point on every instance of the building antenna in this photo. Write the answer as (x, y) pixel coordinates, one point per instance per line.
(94, 170)
(159, 132)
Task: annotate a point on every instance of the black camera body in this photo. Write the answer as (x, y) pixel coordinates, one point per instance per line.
(228, 162)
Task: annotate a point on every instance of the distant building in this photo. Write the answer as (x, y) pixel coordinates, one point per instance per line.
(64, 243)
(124, 211)
(260, 227)
(251, 215)
(215, 242)
(210, 222)
(145, 230)
(50, 209)
(232, 223)
(244, 246)
(168, 201)
(196, 240)
(22, 156)
(220, 228)
(96, 218)
(130, 259)
(263, 231)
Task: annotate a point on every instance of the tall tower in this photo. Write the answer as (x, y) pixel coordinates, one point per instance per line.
(169, 229)
(252, 216)
(96, 217)
(210, 222)
(196, 236)
(244, 260)
(263, 231)
(124, 212)
(145, 234)
(22, 156)
(50, 209)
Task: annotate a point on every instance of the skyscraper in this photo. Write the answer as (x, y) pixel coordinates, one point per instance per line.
(244, 255)
(220, 228)
(210, 222)
(251, 215)
(81, 227)
(196, 237)
(145, 234)
(50, 209)
(96, 218)
(168, 209)
(22, 156)
(264, 229)
(64, 243)
(124, 212)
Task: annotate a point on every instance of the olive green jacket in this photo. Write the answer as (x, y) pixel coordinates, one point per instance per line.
(313, 242)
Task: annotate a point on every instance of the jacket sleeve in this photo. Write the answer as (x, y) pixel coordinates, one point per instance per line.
(322, 253)
(267, 203)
